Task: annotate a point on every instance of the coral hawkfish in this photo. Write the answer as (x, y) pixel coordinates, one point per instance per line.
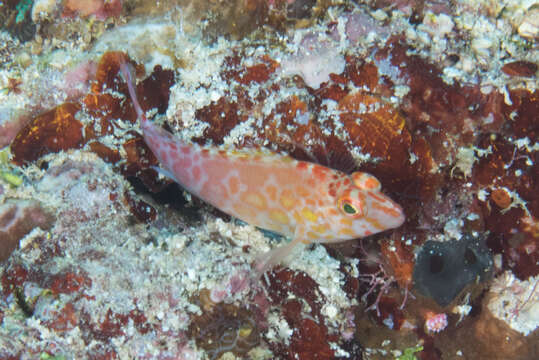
(301, 200)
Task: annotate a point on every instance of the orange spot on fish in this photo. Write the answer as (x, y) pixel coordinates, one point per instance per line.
(332, 191)
(272, 192)
(322, 228)
(302, 192)
(279, 216)
(346, 231)
(205, 153)
(254, 199)
(298, 218)
(319, 172)
(386, 210)
(365, 181)
(309, 215)
(302, 165)
(310, 202)
(234, 185)
(371, 183)
(376, 197)
(375, 223)
(287, 200)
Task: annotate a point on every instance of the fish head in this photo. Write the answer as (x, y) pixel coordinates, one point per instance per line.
(363, 209)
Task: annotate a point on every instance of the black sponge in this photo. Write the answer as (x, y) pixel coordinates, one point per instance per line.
(443, 269)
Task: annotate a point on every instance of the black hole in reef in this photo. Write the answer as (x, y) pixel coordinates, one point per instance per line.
(436, 264)
(44, 166)
(469, 257)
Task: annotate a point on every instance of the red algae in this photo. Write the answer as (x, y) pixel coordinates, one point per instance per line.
(523, 112)
(69, 282)
(64, 319)
(104, 152)
(102, 104)
(13, 277)
(258, 73)
(401, 259)
(520, 68)
(155, 89)
(222, 116)
(512, 199)
(311, 337)
(52, 131)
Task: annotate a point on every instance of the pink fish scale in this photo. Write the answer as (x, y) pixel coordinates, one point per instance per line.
(229, 202)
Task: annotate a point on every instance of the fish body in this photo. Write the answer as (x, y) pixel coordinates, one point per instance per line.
(304, 201)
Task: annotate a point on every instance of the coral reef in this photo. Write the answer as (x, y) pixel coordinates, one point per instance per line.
(102, 257)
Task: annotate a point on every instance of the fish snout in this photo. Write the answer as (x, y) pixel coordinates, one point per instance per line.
(388, 213)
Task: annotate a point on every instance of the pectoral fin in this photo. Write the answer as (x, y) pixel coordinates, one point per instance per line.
(278, 255)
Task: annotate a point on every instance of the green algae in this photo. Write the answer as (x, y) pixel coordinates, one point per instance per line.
(7, 172)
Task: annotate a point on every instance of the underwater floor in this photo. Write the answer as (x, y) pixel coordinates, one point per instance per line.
(103, 257)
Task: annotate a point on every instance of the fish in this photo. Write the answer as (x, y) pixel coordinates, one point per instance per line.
(303, 201)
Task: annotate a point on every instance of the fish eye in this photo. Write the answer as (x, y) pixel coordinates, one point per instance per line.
(351, 208)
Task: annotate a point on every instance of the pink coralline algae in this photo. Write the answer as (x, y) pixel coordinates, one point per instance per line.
(435, 322)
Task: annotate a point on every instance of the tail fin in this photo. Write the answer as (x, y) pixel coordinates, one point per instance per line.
(126, 73)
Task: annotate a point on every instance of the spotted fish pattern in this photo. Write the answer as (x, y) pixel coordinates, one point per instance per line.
(303, 201)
